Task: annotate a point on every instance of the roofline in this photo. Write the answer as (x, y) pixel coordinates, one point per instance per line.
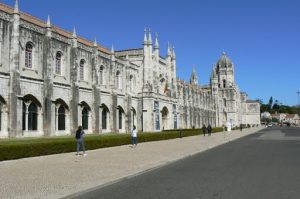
(39, 22)
(130, 49)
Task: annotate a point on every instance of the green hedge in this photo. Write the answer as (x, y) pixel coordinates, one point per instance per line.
(30, 147)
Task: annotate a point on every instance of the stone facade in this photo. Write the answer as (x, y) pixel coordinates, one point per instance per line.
(52, 80)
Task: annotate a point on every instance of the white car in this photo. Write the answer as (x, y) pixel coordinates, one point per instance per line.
(270, 125)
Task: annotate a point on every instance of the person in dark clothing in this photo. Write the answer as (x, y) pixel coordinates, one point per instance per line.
(241, 127)
(204, 129)
(209, 129)
(80, 140)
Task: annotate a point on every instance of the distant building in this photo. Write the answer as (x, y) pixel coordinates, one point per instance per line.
(52, 80)
(279, 116)
(287, 118)
(292, 119)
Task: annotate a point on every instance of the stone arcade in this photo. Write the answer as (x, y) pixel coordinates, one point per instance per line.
(52, 80)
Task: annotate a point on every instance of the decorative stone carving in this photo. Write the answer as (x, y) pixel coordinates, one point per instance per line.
(105, 62)
(104, 55)
(253, 108)
(61, 38)
(85, 47)
(5, 16)
(148, 87)
(32, 27)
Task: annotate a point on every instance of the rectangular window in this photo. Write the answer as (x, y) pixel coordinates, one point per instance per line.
(28, 59)
(81, 73)
(58, 64)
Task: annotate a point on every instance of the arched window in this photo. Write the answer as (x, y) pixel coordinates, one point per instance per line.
(118, 80)
(101, 75)
(104, 118)
(120, 118)
(28, 55)
(24, 117)
(85, 118)
(224, 102)
(58, 63)
(224, 83)
(32, 117)
(81, 69)
(61, 118)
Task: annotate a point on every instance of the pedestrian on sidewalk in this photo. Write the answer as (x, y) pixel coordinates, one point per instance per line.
(209, 129)
(134, 136)
(80, 140)
(204, 129)
(241, 127)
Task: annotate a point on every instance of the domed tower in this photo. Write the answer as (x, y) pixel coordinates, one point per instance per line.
(225, 71)
(227, 92)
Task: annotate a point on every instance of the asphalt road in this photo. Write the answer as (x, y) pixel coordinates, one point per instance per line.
(264, 165)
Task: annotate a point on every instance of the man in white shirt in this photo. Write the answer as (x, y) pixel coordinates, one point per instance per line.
(134, 136)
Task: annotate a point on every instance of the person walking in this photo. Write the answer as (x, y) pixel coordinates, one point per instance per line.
(134, 136)
(80, 141)
(209, 129)
(204, 129)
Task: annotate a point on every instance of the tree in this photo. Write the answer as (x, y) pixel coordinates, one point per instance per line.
(270, 103)
(276, 106)
(275, 119)
(264, 108)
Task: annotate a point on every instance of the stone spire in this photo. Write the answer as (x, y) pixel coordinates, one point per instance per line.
(16, 21)
(95, 43)
(112, 53)
(194, 78)
(127, 59)
(16, 8)
(156, 45)
(149, 37)
(112, 49)
(74, 33)
(169, 53)
(173, 52)
(48, 22)
(156, 48)
(145, 36)
(48, 27)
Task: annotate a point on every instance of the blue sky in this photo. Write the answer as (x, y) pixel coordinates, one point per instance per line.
(262, 38)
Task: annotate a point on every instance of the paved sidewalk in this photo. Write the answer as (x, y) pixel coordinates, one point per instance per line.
(57, 176)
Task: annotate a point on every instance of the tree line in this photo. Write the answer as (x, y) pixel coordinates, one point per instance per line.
(277, 107)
